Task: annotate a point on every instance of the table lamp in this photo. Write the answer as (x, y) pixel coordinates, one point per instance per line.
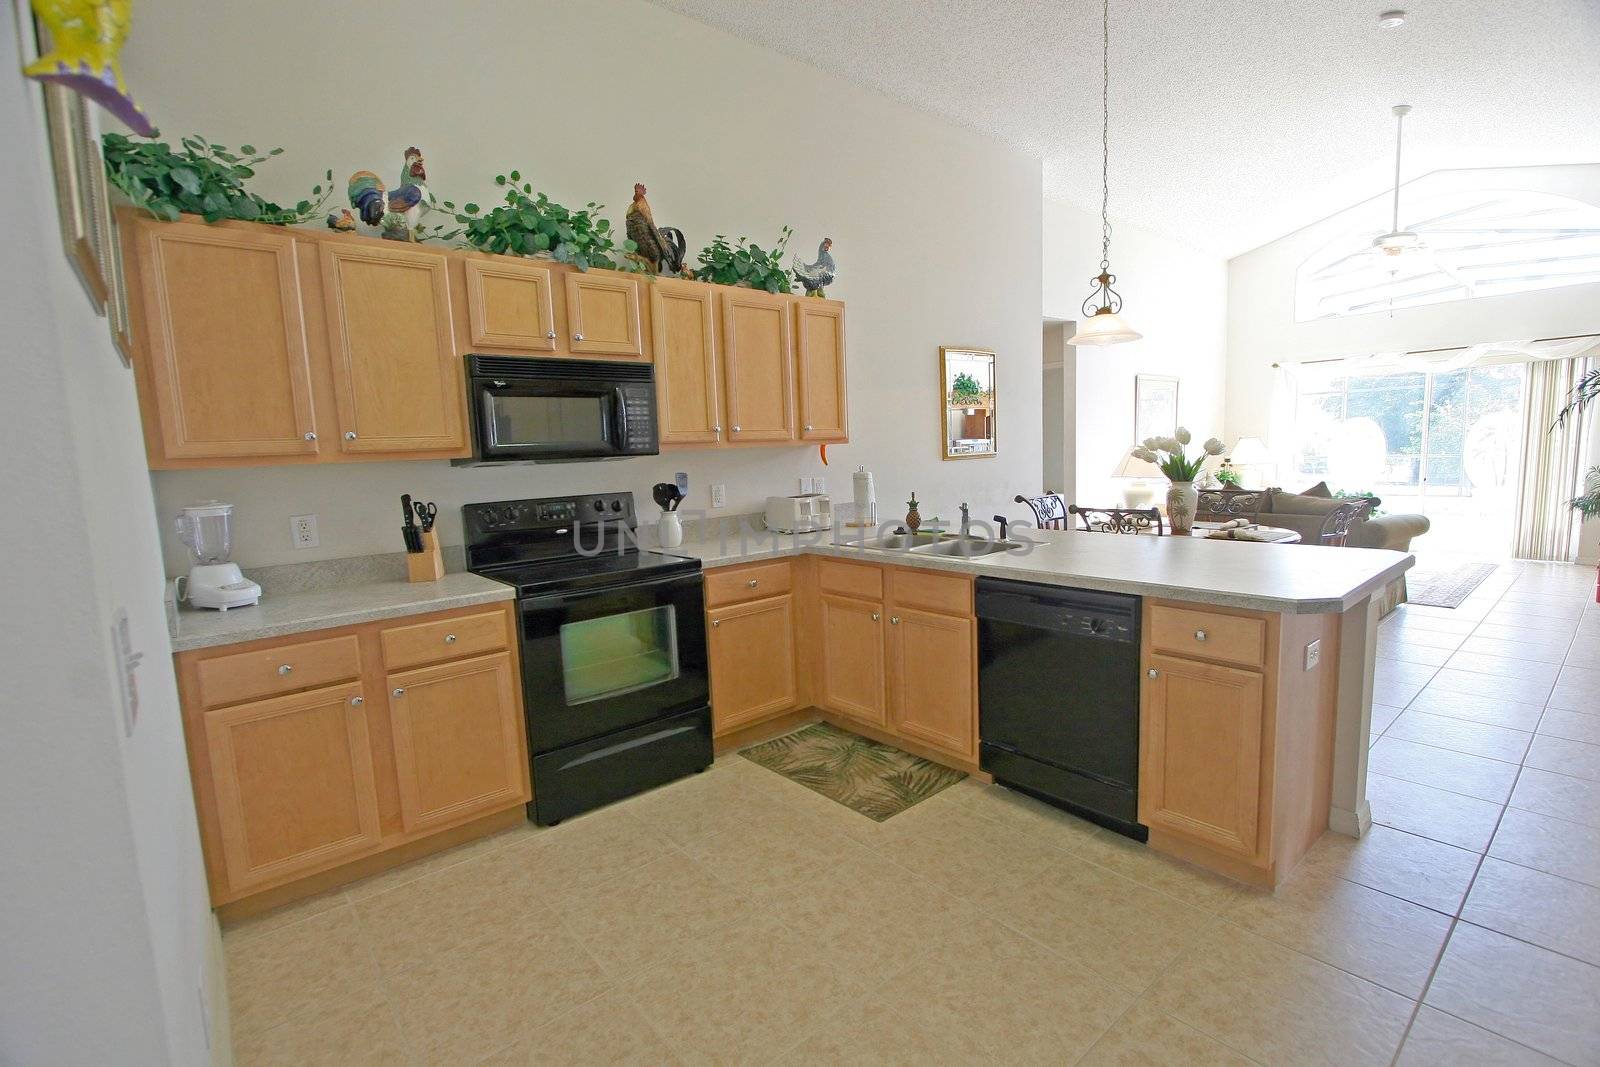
(1250, 452)
(1138, 493)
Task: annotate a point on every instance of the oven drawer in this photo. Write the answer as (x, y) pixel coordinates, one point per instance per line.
(274, 671)
(586, 775)
(430, 642)
(734, 585)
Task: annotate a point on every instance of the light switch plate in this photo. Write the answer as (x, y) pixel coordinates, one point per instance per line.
(719, 495)
(303, 531)
(819, 485)
(1313, 654)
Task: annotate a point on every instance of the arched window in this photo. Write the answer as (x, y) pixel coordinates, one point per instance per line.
(1473, 244)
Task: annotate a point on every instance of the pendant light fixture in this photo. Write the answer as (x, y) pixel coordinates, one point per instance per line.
(1102, 324)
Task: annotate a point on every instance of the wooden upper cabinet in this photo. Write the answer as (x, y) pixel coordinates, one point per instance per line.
(819, 357)
(397, 380)
(603, 314)
(684, 331)
(293, 784)
(1200, 762)
(758, 365)
(850, 639)
(227, 372)
(511, 304)
(752, 655)
(457, 740)
(933, 679)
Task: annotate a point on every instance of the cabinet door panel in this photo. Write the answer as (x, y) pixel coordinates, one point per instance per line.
(819, 355)
(457, 749)
(510, 305)
(1200, 753)
(395, 373)
(228, 364)
(758, 364)
(852, 658)
(684, 328)
(293, 784)
(932, 695)
(752, 662)
(603, 317)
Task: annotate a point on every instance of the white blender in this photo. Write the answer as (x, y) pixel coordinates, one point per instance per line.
(213, 581)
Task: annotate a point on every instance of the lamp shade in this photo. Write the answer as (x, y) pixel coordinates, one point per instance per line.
(1104, 327)
(1134, 467)
(1250, 452)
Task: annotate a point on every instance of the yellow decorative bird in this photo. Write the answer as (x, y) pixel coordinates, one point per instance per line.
(85, 41)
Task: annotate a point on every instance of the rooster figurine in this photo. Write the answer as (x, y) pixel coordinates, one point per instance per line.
(395, 213)
(815, 277)
(659, 249)
(85, 40)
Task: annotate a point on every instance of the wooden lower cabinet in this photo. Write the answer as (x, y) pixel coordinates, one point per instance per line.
(850, 643)
(302, 783)
(1200, 758)
(752, 658)
(293, 784)
(933, 679)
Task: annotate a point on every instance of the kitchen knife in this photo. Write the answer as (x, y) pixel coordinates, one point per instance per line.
(413, 539)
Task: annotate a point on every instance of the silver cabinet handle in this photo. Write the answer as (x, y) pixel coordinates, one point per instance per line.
(1199, 635)
(551, 336)
(349, 435)
(715, 623)
(311, 435)
(736, 427)
(894, 620)
(1151, 672)
(400, 692)
(449, 639)
(754, 582)
(577, 337)
(285, 669)
(356, 702)
(875, 616)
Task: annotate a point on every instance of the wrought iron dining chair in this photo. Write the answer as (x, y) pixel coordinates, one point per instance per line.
(1119, 520)
(1049, 510)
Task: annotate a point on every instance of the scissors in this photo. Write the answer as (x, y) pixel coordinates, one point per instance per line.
(426, 513)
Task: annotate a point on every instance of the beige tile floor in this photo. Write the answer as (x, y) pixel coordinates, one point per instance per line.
(738, 918)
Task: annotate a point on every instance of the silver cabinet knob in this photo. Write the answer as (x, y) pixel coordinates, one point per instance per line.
(894, 620)
(875, 616)
(1199, 635)
(754, 582)
(311, 435)
(736, 427)
(1151, 672)
(349, 435)
(715, 623)
(716, 429)
(551, 336)
(577, 337)
(449, 639)
(356, 702)
(285, 668)
(400, 692)
(808, 427)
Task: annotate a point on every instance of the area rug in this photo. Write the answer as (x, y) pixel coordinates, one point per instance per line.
(877, 780)
(1446, 588)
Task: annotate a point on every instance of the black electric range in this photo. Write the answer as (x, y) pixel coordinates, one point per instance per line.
(614, 675)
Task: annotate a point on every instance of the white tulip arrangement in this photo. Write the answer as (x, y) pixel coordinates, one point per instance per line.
(1168, 453)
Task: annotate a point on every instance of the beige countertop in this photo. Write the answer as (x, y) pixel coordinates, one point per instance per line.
(1291, 579)
(336, 605)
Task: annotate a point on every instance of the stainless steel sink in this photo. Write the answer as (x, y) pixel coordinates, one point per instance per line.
(966, 547)
(899, 541)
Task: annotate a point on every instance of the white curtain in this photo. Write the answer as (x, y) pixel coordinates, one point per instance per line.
(1552, 462)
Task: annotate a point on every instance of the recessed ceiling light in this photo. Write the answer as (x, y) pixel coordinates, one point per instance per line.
(1390, 19)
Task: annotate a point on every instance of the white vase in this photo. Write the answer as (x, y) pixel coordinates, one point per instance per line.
(1182, 499)
(669, 530)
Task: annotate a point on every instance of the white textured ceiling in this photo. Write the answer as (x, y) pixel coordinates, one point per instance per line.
(1233, 122)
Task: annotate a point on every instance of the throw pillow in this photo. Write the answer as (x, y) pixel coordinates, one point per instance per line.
(1320, 489)
(1301, 504)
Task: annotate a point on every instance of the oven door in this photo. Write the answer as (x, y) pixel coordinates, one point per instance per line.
(602, 660)
(531, 419)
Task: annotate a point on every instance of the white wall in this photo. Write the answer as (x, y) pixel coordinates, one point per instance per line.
(1261, 316)
(1175, 296)
(936, 230)
(106, 929)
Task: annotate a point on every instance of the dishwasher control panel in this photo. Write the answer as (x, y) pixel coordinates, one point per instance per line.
(1085, 624)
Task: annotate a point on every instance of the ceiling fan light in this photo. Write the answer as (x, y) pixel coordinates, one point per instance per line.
(1397, 242)
(1104, 327)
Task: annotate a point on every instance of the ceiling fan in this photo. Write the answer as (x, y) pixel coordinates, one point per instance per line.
(1398, 242)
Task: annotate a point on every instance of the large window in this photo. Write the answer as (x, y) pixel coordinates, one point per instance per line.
(1443, 444)
(1473, 244)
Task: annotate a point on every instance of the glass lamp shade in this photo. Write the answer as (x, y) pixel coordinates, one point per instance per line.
(1249, 452)
(1104, 327)
(1134, 467)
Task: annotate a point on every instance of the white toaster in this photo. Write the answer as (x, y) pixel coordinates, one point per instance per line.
(806, 513)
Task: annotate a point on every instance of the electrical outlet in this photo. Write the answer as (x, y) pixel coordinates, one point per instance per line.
(803, 485)
(303, 531)
(719, 496)
(1313, 654)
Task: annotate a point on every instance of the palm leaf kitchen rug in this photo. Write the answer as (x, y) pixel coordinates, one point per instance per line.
(877, 780)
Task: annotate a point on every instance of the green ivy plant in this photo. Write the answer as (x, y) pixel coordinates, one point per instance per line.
(743, 263)
(202, 179)
(964, 389)
(529, 223)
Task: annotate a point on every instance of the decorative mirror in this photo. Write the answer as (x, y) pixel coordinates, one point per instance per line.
(966, 402)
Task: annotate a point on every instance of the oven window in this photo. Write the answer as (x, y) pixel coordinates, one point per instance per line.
(617, 654)
(548, 420)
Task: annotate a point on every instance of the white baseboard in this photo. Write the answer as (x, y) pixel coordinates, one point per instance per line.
(1350, 823)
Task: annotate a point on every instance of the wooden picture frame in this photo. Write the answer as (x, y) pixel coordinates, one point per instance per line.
(1155, 406)
(968, 422)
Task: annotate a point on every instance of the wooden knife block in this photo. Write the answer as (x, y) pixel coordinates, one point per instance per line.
(427, 565)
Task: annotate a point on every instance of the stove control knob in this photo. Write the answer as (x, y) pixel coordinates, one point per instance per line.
(616, 505)
(599, 505)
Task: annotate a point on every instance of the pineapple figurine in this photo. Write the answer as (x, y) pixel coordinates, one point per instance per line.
(913, 516)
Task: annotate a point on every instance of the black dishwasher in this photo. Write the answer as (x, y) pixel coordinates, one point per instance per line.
(1058, 697)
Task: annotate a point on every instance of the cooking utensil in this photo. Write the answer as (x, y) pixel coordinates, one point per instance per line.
(409, 531)
(662, 493)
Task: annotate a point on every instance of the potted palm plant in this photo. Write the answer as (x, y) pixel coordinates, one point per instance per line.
(1181, 469)
(1587, 505)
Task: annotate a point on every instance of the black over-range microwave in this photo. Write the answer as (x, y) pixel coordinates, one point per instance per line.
(555, 410)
